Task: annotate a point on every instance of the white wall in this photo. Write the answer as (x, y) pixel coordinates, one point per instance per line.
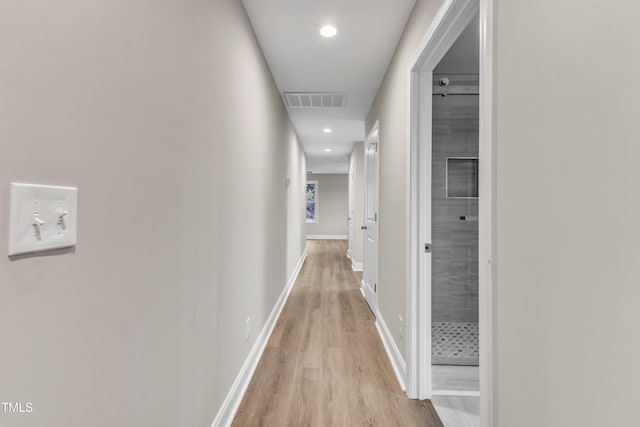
(333, 204)
(356, 162)
(390, 107)
(567, 182)
(183, 210)
(566, 149)
(296, 208)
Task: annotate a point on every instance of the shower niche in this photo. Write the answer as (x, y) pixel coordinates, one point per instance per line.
(462, 177)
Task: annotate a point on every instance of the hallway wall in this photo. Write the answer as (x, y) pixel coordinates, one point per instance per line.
(567, 178)
(565, 270)
(356, 161)
(390, 107)
(296, 195)
(183, 210)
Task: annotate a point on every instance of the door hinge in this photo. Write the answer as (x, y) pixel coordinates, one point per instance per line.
(427, 248)
(375, 287)
(375, 217)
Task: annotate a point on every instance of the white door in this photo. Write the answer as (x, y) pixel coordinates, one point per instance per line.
(350, 219)
(370, 227)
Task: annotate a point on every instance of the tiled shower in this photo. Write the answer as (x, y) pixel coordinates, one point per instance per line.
(455, 221)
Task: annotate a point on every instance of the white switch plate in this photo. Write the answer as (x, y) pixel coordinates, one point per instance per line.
(37, 218)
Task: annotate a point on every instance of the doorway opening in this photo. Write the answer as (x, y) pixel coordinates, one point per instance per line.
(449, 292)
(454, 218)
(370, 227)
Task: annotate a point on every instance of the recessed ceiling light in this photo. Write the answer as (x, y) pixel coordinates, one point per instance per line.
(327, 130)
(328, 31)
(327, 150)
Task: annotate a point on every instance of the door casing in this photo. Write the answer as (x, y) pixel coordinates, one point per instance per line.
(450, 21)
(351, 211)
(369, 285)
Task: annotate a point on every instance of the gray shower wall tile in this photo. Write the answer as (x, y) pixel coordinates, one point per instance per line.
(455, 242)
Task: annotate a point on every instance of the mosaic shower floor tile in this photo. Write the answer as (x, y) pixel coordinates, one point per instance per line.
(454, 343)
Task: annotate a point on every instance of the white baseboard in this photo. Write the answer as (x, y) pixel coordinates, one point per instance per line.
(349, 254)
(327, 237)
(397, 362)
(463, 393)
(357, 266)
(231, 403)
(362, 288)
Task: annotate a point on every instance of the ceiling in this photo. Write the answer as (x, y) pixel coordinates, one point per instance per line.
(354, 61)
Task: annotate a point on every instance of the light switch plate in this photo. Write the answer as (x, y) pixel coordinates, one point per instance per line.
(42, 217)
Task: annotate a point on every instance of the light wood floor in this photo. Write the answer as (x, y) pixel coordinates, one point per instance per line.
(325, 364)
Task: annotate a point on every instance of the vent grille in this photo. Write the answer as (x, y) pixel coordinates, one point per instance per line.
(315, 99)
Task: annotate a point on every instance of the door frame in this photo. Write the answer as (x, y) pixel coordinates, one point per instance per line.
(375, 130)
(448, 24)
(350, 230)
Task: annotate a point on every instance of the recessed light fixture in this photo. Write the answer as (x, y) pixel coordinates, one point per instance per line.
(327, 130)
(327, 150)
(328, 31)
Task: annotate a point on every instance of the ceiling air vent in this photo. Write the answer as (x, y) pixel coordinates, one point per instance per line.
(315, 99)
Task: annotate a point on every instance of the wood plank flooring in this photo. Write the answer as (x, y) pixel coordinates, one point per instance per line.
(325, 364)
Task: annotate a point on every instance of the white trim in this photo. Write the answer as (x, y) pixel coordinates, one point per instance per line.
(232, 402)
(327, 237)
(450, 21)
(396, 359)
(442, 33)
(462, 393)
(357, 266)
(435, 43)
(485, 215)
(445, 28)
(374, 137)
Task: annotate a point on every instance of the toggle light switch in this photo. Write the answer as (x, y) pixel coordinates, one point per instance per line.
(61, 216)
(42, 217)
(37, 222)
